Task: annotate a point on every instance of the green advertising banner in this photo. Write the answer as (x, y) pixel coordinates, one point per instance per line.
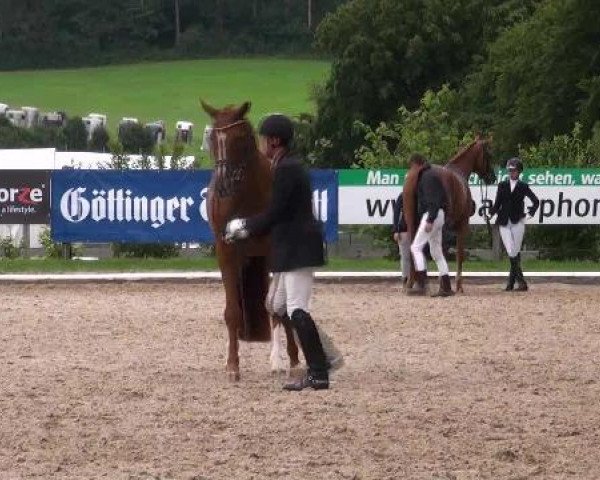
(533, 176)
(568, 196)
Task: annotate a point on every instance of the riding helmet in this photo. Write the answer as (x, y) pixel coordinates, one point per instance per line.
(515, 163)
(277, 125)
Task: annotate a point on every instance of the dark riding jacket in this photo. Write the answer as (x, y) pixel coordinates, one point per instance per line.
(431, 195)
(398, 223)
(511, 205)
(296, 236)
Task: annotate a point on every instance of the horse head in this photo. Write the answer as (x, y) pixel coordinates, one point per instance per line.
(484, 167)
(232, 145)
(477, 157)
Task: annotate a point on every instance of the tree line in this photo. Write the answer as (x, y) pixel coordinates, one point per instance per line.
(412, 75)
(520, 70)
(68, 33)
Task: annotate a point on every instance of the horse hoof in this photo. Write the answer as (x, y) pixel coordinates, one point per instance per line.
(296, 371)
(233, 376)
(277, 365)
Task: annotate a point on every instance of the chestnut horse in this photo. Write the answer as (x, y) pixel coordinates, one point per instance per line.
(454, 177)
(241, 187)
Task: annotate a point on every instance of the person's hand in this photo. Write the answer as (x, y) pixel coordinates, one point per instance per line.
(396, 237)
(235, 230)
(429, 227)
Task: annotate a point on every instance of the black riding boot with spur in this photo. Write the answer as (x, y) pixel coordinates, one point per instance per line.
(521, 283)
(317, 375)
(512, 276)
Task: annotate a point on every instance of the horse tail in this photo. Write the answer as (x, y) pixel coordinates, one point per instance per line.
(253, 284)
(409, 197)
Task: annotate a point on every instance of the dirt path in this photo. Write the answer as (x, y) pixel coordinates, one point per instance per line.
(127, 382)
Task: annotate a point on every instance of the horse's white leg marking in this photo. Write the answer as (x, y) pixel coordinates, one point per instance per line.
(277, 351)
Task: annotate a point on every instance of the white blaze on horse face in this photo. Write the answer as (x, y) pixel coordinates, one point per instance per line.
(221, 146)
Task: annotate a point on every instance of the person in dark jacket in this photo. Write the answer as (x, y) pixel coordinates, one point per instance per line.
(297, 249)
(510, 208)
(400, 235)
(431, 213)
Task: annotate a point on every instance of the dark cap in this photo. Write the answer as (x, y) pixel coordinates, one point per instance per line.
(515, 164)
(277, 125)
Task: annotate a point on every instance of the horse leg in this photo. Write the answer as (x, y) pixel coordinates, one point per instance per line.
(460, 256)
(292, 346)
(232, 320)
(276, 357)
(412, 275)
(280, 323)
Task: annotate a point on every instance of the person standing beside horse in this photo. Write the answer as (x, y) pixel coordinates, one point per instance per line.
(400, 235)
(431, 213)
(297, 246)
(509, 206)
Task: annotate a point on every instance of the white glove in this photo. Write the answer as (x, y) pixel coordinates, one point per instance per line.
(236, 230)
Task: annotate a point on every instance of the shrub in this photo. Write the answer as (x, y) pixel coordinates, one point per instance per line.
(8, 248)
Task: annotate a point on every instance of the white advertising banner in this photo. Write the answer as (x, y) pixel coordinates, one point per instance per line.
(567, 196)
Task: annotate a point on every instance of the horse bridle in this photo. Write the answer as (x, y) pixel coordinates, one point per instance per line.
(227, 177)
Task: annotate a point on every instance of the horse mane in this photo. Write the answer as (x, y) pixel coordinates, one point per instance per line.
(464, 151)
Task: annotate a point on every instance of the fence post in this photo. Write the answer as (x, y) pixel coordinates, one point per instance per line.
(26, 241)
(67, 251)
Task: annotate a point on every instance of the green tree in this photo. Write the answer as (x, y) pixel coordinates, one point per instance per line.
(100, 140)
(136, 139)
(387, 53)
(74, 135)
(430, 129)
(540, 76)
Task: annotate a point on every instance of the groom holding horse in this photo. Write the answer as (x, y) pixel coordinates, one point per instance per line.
(431, 213)
(435, 196)
(297, 248)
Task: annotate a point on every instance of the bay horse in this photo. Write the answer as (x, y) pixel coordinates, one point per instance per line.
(454, 176)
(240, 186)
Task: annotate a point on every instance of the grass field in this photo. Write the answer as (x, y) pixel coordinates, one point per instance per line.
(169, 90)
(209, 264)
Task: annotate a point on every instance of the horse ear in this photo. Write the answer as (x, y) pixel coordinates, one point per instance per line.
(244, 109)
(212, 112)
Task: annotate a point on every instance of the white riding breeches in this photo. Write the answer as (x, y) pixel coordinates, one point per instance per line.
(289, 291)
(512, 237)
(434, 238)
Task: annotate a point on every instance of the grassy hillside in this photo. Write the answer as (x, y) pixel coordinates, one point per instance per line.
(168, 91)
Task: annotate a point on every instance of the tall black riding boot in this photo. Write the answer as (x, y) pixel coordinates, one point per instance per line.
(445, 287)
(512, 276)
(521, 283)
(420, 287)
(317, 376)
